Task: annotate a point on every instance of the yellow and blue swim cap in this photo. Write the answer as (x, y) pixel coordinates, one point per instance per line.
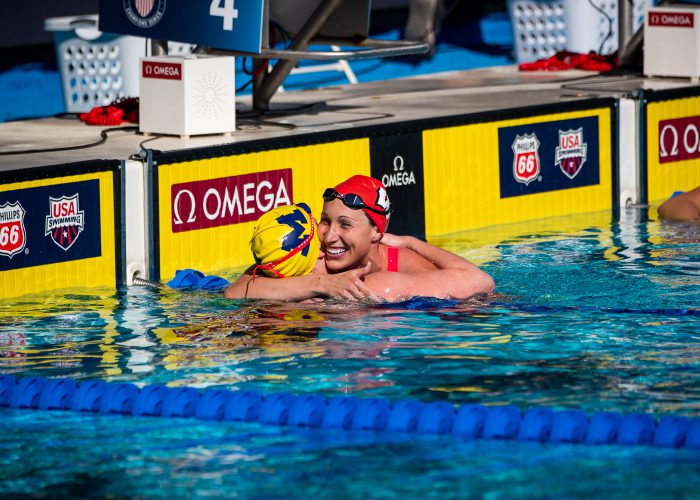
(285, 241)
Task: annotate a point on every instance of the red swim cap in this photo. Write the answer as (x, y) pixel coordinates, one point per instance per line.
(374, 196)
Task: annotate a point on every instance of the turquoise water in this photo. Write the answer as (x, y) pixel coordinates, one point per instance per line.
(586, 316)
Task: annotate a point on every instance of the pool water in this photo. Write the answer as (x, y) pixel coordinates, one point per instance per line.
(590, 313)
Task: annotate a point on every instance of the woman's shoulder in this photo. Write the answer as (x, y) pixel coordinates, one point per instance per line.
(409, 261)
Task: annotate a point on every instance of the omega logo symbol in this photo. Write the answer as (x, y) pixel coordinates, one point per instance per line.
(176, 210)
(679, 140)
(399, 177)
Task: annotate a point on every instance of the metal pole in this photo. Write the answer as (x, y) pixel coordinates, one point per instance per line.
(624, 26)
(159, 47)
(261, 98)
(259, 74)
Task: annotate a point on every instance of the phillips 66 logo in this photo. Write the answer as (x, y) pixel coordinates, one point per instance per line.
(13, 236)
(526, 160)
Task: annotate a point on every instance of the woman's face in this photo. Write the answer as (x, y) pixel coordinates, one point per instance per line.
(346, 236)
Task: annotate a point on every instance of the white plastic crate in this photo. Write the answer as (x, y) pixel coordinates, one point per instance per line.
(543, 27)
(96, 68)
(539, 28)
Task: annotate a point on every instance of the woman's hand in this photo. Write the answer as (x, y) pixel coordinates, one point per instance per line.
(348, 285)
(393, 240)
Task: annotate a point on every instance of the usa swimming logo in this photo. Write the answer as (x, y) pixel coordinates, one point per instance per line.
(65, 221)
(526, 159)
(571, 152)
(144, 13)
(13, 235)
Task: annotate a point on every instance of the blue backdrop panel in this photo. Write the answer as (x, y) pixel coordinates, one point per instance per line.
(223, 24)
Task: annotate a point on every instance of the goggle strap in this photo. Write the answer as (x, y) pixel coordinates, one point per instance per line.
(362, 206)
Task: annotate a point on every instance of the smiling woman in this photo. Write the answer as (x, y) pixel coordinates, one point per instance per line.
(355, 215)
(359, 260)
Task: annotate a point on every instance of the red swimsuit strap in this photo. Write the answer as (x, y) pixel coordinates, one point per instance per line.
(393, 259)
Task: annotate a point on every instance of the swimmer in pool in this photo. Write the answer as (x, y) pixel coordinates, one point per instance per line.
(358, 260)
(684, 206)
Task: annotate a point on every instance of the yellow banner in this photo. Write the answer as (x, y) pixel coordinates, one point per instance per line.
(673, 147)
(57, 234)
(515, 170)
(208, 208)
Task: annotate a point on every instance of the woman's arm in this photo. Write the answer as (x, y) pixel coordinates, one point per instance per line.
(441, 284)
(475, 280)
(347, 285)
(440, 258)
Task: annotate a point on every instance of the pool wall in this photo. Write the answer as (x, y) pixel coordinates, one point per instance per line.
(443, 176)
(671, 148)
(196, 208)
(60, 227)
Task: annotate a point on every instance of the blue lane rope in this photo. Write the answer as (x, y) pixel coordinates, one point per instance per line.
(345, 412)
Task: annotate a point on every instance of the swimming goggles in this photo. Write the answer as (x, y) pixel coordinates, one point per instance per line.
(351, 200)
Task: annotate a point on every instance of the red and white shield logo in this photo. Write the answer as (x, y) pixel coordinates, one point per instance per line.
(571, 152)
(13, 236)
(144, 7)
(65, 221)
(526, 159)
